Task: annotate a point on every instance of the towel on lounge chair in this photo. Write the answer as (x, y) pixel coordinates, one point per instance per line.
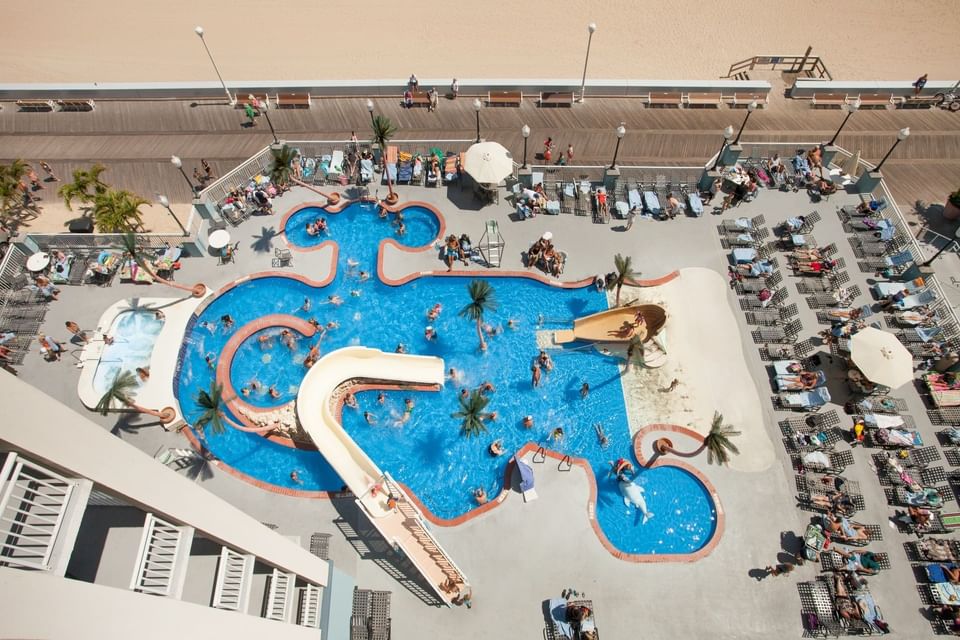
(633, 197)
(806, 399)
(868, 607)
(761, 268)
(366, 169)
(884, 289)
(391, 171)
(882, 421)
(622, 209)
(652, 202)
(744, 254)
(898, 438)
(553, 207)
(924, 297)
(558, 616)
(935, 572)
(816, 459)
(696, 204)
(899, 259)
(946, 592)
(786, 367)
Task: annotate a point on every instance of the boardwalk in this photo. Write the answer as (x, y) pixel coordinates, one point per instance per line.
(136, 138)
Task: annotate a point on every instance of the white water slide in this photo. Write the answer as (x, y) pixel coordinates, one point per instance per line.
(402, 525)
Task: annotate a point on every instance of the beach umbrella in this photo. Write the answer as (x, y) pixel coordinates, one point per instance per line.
(488, 162)
(852, 166)
(881, 357)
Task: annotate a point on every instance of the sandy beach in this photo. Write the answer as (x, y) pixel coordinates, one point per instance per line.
(109, 41)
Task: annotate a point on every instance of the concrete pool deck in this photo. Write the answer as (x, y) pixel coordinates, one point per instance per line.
(518, 554)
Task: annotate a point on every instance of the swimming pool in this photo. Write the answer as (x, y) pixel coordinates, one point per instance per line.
(134, 334)
(428, 453)
(421, 225)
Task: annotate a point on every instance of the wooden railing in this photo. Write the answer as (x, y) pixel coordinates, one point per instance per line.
(811, 66)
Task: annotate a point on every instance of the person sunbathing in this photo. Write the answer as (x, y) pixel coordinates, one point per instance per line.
(804, 380)
(535, 252)
(807, 255)
(936, 550)
(846, 607)
(842, 527)
(816, 266)
(864, 563)
(835, 501)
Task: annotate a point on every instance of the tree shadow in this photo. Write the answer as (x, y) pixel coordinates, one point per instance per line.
(126, 423)
(370, 545)
(199, 467)
(263, 243)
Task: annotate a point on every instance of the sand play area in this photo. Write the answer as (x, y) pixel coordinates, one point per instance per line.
(151, 41)
(705, 355)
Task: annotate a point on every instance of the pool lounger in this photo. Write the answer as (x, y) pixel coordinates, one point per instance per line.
(740, 224)
(784, 385)
(336, 162)
(622, 209)
(882, 421)
(553, 207)
(558, 619)
(366, 169)
(696, 204)
(744, 255)
(884, 289)
(814, 398)
(917, 300)
(391, 172)
(633, 197)
(652, 202)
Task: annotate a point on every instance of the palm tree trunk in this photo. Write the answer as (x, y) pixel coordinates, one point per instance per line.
(683, 454)
(332, 198)
(619, 286)
(165, 416)
(483, 343)
(245, 429)
(196, 290)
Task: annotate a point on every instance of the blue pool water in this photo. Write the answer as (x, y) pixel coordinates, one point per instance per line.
(422, 226)
(428, 452)
(134, 334)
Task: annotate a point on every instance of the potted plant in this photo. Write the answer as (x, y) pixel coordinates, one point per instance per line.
(951, 210)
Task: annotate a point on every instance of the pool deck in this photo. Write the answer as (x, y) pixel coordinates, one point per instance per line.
(518, 554)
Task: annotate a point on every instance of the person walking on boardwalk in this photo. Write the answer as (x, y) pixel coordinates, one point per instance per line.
(919, 84)
(251, 114)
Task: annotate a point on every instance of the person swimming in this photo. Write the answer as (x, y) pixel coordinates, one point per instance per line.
(496, 448)
(273, 392)
(621, 467)
(480, 495)
(527, 422)
(434, 312)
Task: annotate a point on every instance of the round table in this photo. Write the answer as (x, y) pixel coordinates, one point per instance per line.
(38, 261)
(219, 239)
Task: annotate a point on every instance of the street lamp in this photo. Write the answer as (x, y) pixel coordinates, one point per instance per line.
(162, 199)
(266, 112)
(727, 137)
(370, 109)
(230, 98)
(851, 108)
(175, 161)
(583, 83)
(477, 105)
(621, 131)
(750, 109)
(525, 132)
(902, 135)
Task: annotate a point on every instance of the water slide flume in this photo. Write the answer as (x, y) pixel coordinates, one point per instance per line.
(616, 325)
(390, 511)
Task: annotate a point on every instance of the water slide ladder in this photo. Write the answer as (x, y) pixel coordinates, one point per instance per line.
(281, 596)
(234, 576)
(162, 558)
(492, 244)
(38, 521)
(415, 524)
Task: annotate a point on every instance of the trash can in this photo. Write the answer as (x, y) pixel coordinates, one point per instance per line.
(81, 225)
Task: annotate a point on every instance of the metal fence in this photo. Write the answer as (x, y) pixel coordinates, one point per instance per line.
(99, 241)
(217, 190)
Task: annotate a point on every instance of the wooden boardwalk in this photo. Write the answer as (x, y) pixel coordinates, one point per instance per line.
(136, 138)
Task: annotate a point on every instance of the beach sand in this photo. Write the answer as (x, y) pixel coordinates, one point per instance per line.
(109, 41)
(705, 354)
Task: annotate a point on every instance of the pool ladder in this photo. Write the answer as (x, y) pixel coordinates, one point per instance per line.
(565, 464)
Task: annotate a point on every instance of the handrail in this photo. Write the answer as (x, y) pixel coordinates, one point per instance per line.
(796, 64)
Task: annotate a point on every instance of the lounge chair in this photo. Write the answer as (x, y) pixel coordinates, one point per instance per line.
(899, 259)
(633, 197)
(60, 271)
(652, 203)
(696, 204)
(557, 619)
(805, 400)
(622, 209)
(785, 385)
(884, 289)
(896, 438)
(740, 224)
(881, 421)
(917, 300)
(832, 561)
(741, 240)
(405, 172)
(336, 164)
(553, 207)
(744, 255)
(366, 170)
(834, 462)
(926, 497)
(418, 170)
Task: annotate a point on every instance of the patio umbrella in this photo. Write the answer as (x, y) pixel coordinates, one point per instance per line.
(488, 162)
(881, 357)
(852, 166)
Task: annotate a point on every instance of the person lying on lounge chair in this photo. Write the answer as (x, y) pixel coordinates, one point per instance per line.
(756, 268)
(835, 501)
(823, 266)
(865, 562)
(846, 607)
(842, 527)
(803, 381)
(916, 517)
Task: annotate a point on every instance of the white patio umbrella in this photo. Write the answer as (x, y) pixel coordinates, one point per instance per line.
(488, 162)
(881, 357)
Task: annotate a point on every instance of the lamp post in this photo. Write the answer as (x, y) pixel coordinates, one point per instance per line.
(370, 109)
(230, 98)
(583, 83)
(727, 137)
(902, 135)
(175, 161)
(477, 105)
(621, 131)
(851, 108)
(525, 132)
(266, 112)
(750, 109)
(162, 199)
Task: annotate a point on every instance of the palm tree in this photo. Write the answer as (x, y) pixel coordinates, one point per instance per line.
(213, 403)
(383, 131)
(635, 352)
(481, 300)
(121, 391)
(281, 168)
(133, 248)
(12, 188)
(717, 443)
(117, 211)
(472, 413)
(85, 187)
(624, 271)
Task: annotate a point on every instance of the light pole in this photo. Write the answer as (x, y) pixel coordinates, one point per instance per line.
(266, 112)
(621, 131)
(175, 161)
(727, 137)
(162, 199)
(902, 135)
(750, 109)
(851, 108)
(525, 132)
(230, 98)
(583, 83)
(477, 105)
(370, 109)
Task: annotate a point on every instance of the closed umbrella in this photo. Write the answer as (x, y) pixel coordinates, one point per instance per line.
(488, 162)
(881, 357)
(852, 166)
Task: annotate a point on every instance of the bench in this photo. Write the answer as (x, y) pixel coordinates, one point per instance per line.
(665, 99)
(703, 99)
(36, 105)
(828, 100)
(244, 98)
(744, 99)
(504, 98)
(876, 100)
(293, 101)
(420, 99)
(918, 102)
(556, 99)
(76, 105)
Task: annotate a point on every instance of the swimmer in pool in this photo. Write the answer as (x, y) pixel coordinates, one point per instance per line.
(266, 341)
(305, 307)
(528, 422)
(369, 417)
(486, 387)
(351, 401)
(434, 312)
(480, 496)
(209, 359)
(496, 448)
(381, 398)
(273, 392)
(335, 300)
(453, 375)
(557, 434)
